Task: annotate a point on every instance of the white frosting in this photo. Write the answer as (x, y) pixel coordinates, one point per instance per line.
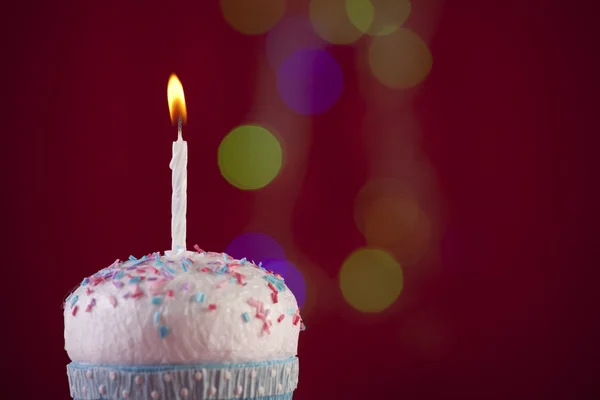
(127, 333)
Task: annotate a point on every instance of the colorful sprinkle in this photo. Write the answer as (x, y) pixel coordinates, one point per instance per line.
(119, 275)
(74, 312)
(91, 305)
(88, 291)
(198, 249)
(272, 287)
(243, 261)
(74, 301)
(137, 295)
(281, 317)
(274, 297)
(118, 284)
(132, 258)
(199, 297)
(223, 283)
(246, 317)
(278, 283)
(212, 306)
(303, 328)
(157, 301)
(156, 318)
(85, 281)
(164, 331)
(134, 280)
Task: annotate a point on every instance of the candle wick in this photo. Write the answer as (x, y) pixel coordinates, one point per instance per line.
(179, 128)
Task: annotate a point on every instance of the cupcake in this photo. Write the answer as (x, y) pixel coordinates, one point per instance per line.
(188, 325)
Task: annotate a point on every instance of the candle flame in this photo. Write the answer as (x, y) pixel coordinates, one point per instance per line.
(176, 100)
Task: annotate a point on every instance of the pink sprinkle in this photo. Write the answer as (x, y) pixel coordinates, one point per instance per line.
(274, 297)
(239, 278)
(88, 291)
(261, 307)
(198, 249)
(137, 295)
(74, 312)
(220, 285)
(266, 328)
(279, 276)
(155, 270)
(170, 293)
(272, 287)
(212, 306)
(156, 287)
(296, 319)
(91, 305)
(205, 269)
(260, 316)
(281, 317)
(113, 301)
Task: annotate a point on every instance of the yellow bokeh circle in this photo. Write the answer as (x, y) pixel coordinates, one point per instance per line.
(253, 17)
(400, 60)
(378, 17)
(330, 20)
(250, 157)
(371, 280)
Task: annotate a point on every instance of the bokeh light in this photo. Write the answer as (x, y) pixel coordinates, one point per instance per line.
(331, 22)
(371, 280)
(378, 17)
(252, 17)
(376, 198)
(292, 276)
(310, 81)
(255, 247)
(288, 36)
(390, 219)
(400, 60)
(250, 157)
(413, 247)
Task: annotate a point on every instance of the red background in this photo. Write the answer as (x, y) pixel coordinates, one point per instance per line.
(508, 126)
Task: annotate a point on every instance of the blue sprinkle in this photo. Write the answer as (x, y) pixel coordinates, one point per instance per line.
(119, 275)
(225, 257)
(157, 301)
(303, 327)
(171, 270)
(135, 279)
(74, 301)
(279, 285)
(69, 297)
(185, 264)
(85, 281)
(243, 261)
(291, 311)
(232, 279)
(156, 318)
(260, 264)
(246, 317)
(199, 297)
(164, 331)
(159, 262)
(132, 258)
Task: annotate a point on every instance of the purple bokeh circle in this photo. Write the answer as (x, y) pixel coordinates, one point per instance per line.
(292, 277)
(310, 81)
(289, 35)
(255, 247)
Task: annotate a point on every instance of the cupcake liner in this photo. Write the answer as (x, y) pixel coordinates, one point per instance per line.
(267, 380)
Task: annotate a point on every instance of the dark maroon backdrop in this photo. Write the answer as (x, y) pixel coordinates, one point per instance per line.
(508, 124)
